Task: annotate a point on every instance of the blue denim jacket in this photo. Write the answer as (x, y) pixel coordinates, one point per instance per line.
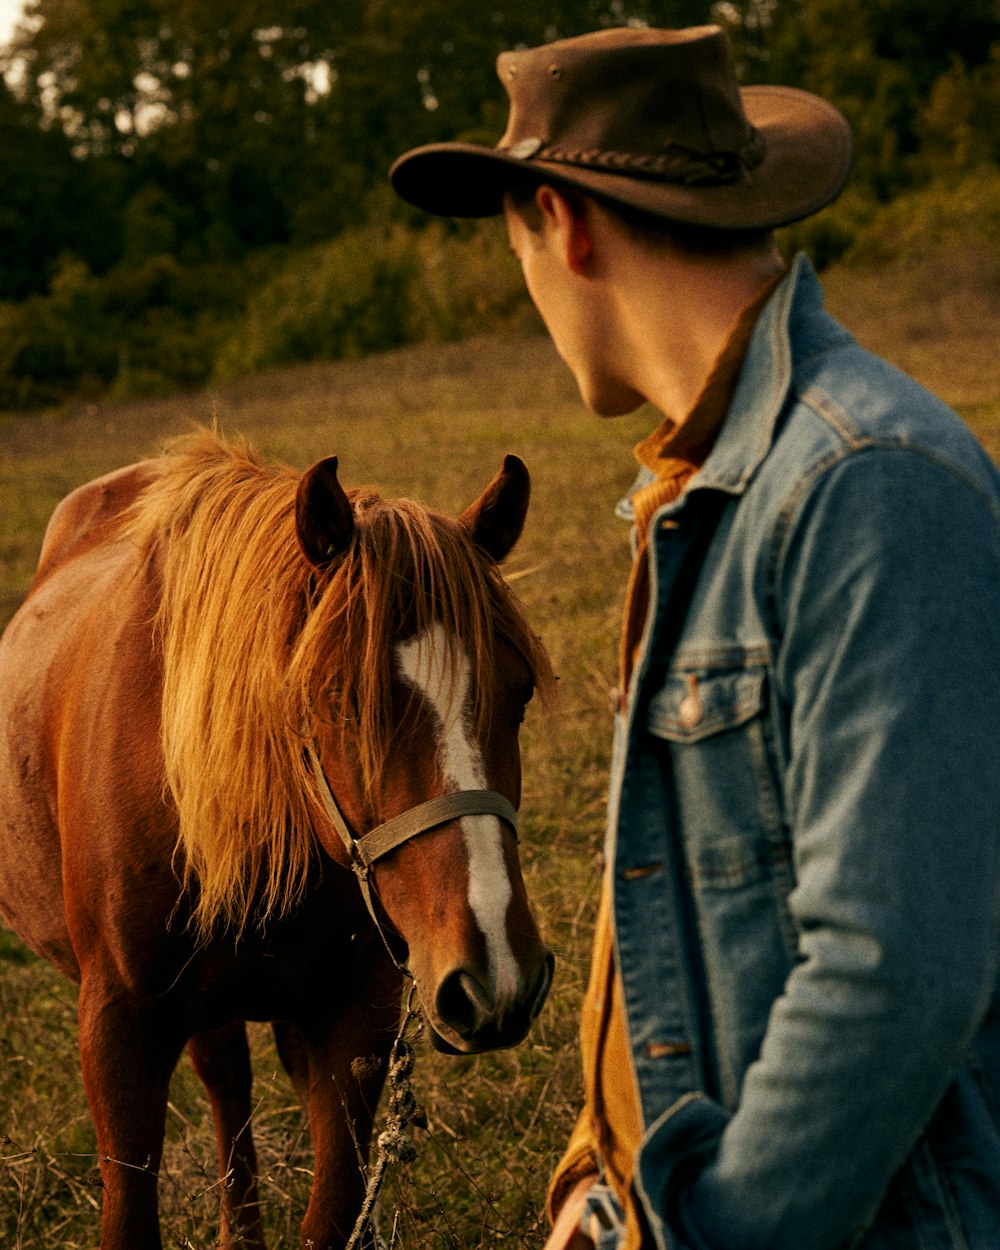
(804, 828)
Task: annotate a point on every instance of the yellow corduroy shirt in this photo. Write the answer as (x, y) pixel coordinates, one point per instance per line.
(609, 1128)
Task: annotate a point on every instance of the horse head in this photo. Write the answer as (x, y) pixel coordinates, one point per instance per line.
(419, 768)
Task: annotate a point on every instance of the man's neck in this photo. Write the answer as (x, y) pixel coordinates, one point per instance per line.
(674, 314)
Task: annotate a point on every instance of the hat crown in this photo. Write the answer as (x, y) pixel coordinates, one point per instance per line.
(650, 119)
(627, 90)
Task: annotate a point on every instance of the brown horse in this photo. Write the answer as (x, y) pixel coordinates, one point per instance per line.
(218, 664)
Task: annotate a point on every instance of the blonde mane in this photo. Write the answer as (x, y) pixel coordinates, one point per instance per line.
(258, 645)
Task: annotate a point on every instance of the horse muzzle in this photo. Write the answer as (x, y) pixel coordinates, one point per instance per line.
(466, 1017)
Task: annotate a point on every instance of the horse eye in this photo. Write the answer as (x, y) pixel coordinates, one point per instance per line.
(341, 706)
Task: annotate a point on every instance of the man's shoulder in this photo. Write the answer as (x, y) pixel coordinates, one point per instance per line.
(859, 401)
(845, 399)
(810, 396)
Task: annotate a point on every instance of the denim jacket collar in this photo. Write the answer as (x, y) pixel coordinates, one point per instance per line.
(748, 431)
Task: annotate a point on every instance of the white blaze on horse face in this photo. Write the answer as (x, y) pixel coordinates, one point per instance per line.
(433, 664)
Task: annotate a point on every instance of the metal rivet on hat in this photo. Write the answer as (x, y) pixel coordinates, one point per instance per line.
(555, 71)
(524, 148)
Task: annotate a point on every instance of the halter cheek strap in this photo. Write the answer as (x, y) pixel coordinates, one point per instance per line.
(378, 842)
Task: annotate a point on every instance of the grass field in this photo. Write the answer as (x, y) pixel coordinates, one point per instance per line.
(432, 422)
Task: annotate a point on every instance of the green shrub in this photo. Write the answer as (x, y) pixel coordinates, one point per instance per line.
(958, 216)
(372, 289)
(830, 235)
(958, 125)
(144, 329)
(156, 325)
(466, 281)
(56, 344)
(335, 300)
(951, 215)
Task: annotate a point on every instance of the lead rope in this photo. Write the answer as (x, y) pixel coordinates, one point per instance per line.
(394, 1144)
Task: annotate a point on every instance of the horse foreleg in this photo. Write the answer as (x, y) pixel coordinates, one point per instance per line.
(127, 1061)
(221, 1057)
(347, 1068)
(294, 1055)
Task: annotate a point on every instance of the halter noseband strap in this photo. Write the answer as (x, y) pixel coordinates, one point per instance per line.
(378, 842)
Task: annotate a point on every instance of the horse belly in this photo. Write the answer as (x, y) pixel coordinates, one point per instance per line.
(58, 661)
(31, 886)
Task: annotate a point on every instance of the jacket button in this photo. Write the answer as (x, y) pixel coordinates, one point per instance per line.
(690, 711)
(691, 708)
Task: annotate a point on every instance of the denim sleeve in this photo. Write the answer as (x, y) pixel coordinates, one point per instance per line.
(887, 598)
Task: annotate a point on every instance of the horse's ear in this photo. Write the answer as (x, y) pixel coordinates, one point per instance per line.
(324, 518)
(496, 519)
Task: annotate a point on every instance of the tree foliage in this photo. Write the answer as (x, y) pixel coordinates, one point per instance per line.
(142, 137)
(238, 124)
(880, 62)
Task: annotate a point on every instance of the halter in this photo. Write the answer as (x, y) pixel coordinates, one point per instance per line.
(365, 852)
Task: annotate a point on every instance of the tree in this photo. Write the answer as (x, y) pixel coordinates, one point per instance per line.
(879, 61)
(209, 109)
(37, 190)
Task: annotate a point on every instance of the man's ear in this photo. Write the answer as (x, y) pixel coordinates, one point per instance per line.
(565, 215)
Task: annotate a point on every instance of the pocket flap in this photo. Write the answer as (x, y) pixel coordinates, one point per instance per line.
(695, 704)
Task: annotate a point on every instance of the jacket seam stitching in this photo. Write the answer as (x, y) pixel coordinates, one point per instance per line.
(826, 407)
(825, 465)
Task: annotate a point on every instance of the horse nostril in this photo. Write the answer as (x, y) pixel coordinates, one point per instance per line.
(462, 1004)
(542, 985)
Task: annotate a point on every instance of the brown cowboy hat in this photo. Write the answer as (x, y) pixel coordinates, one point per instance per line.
(652, 119)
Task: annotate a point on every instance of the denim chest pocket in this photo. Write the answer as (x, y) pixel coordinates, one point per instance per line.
(692, 706)
(723, 772)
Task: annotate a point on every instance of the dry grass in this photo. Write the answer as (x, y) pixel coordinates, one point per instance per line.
(434, 423)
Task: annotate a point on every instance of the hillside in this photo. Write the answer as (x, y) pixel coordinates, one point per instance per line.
(431, 421)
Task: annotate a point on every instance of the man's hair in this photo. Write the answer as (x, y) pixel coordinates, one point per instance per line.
(647, 229)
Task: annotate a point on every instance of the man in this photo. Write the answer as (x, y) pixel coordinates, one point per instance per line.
(791, 1038)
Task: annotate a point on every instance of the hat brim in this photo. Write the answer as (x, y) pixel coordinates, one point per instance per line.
(808, 156)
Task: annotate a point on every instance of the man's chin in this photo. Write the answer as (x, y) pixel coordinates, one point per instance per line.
(617, 403)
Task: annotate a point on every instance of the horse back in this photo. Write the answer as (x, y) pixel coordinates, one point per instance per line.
(87, 516)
